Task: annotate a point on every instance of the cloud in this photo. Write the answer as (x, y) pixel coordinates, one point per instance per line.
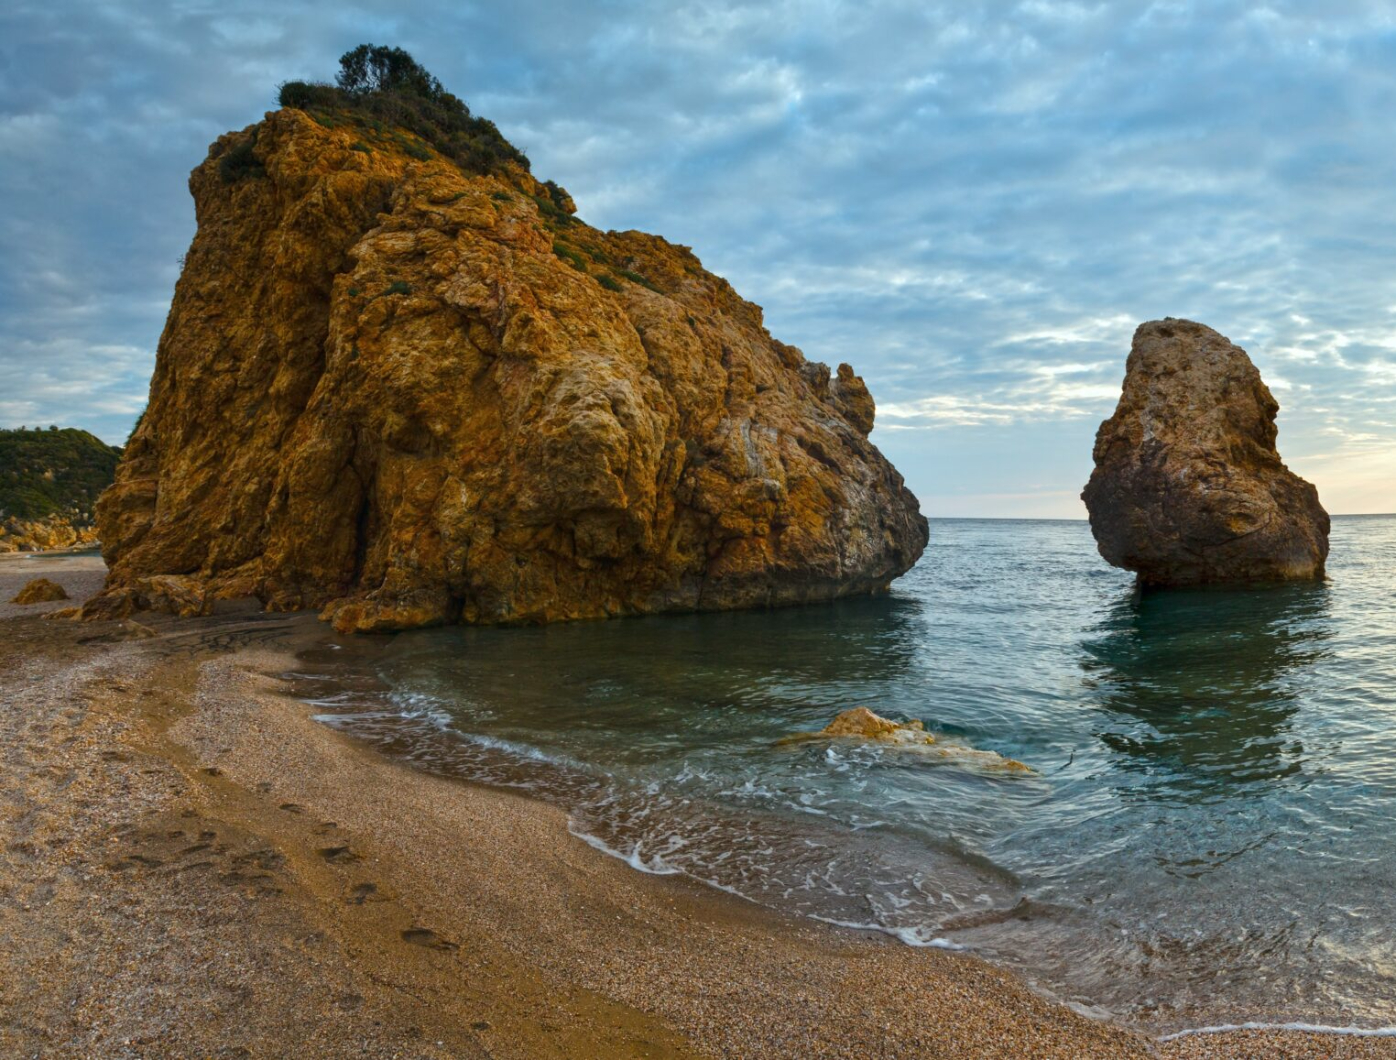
(973, 203)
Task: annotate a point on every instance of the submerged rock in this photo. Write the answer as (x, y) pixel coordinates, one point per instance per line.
(40, 591)
(860, 723)
(1188, 486)
(409, 394)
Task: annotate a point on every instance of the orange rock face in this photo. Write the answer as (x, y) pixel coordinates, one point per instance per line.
(40, 535)
(408, 395)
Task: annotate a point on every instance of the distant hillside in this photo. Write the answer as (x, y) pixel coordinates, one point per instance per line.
(52, 472)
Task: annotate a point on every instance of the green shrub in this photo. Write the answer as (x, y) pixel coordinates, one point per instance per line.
(609, 282)
(567, 254)
(635, 277)
(398, 287)
(552, 213)
(558, 195)
(240, 161)
(359, 145)
(302, 95)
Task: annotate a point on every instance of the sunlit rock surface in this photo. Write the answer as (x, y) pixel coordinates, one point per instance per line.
(409, 395)
(861, 724)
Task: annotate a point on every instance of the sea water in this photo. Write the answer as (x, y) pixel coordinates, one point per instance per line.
(1210, 835)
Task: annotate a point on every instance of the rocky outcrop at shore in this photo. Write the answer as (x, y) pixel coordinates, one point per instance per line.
(406, 394)
(43, 535)
(1188, 486)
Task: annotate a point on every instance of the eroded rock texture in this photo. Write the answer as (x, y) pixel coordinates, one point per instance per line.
(1188, 487)
(409, 395)
(40, 535)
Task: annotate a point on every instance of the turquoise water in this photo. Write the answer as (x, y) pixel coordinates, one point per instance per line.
(1209, 837)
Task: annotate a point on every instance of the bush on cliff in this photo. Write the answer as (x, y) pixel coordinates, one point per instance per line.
(379, 86)
(241, 162)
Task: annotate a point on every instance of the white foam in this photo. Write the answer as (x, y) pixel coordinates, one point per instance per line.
(910, 936)
(511, 748)
(1307, 1028)
(656, 866)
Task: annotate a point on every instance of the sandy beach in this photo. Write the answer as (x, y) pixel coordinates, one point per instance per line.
(190, 865)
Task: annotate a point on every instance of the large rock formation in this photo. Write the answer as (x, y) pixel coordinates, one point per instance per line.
(409, 394)
(1188, 487)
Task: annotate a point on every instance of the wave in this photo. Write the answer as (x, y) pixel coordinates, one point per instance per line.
(1306, 1028)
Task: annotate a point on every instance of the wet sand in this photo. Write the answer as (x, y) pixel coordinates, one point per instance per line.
(191, 866)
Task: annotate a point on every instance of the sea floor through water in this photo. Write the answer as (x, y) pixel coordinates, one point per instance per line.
(1206, 840)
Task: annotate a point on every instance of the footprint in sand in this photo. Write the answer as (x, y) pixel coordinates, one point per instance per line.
(418, 936)
(364, 892)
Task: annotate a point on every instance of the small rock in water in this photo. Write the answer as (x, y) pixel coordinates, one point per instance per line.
(862, 724)
(40, 591)
(860, 721)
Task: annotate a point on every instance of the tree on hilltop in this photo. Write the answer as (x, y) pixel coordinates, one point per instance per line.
(378, 68)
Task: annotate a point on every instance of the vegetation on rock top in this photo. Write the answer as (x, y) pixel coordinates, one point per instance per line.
(384, 89)
(53, 472)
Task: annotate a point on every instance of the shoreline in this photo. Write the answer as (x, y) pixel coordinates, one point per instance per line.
(364, 907)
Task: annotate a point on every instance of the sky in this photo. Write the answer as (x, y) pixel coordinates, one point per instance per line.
(974, 204)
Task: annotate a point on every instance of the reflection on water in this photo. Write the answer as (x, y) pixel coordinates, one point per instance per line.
(1207, 840)
(1206, 683)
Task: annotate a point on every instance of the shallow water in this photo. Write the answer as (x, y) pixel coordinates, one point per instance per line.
(1209, 837)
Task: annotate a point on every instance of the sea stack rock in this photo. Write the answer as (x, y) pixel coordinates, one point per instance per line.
(1188, 487)
(407, 390)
